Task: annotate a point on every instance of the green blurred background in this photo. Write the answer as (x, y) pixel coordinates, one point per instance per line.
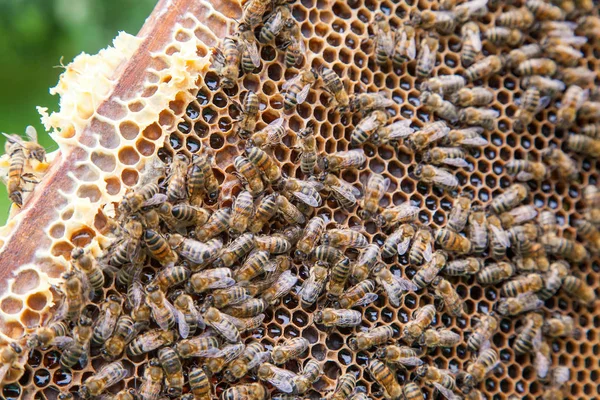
(34, 35)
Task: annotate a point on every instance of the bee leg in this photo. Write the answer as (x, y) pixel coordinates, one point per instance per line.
(29, 178)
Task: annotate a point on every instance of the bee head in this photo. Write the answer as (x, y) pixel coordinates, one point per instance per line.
(364, 214)
(418, 171)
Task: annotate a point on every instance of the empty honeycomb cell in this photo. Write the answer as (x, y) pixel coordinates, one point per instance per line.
(129, 177)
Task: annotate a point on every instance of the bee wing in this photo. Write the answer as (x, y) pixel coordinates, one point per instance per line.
(222, 283)
(303, 94)
(500, 235)
(4, 370)
(275, 124)
(369, 123)
(440, 133)
(447, 393)
(560, 375)
(475, 141)
(388, 43)
(213, 352)
(456, 162)
(14, 139)
(400, 129)
(137, 294)
(428, 252)
(425, 52)
(541, 364)
(524, 176)
(445, 178)
(403, 246)
(405, 284)
(252, 50)
(231, 335)
(288, 280)
(107, 324)
(283, 381)
(385, 184)
(287, 84)
(31, 133)
(366, 299)
(157, 199)
(475, 39)
(218, 58)
(163, 323)
(309, 200)
(259, 358)
(411, 361)
(344, 192)
(62, 341)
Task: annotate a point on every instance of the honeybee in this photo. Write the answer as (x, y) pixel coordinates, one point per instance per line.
(367, 102)
(522, 238)
(249, 175)
(104, 326)
(226, 61)
(215, 363)
(392, 132)
(442, 21)
(256, 264)
(45, 336)
(274, 24)
(478, 230)
(184, 303)
(344, 387)
(265, 163)
(275, 244)
(373, 337)
(412, 391)
(444, 84)
(149, 341)
(517, 216)
(393, 285)
(440, 107)
(559, 376)
(405, 48)
(194, 251)
(313, 286)
(246, 124)
(308, 146)
(365, 129)
(544, 11)
(530, 336)
(108, 375)
(579, 290)
(564, 54)
(16, 175)
(468, 137)
(452, 300)
(171, 364)
(531, 103)
(485, 327)
(365, 262)
(422, 247)
(452, 241)
(305, 191)
(459, 213)
(251, 391)
(140, 311)
(571, 102)
(31, 148)
(248, 47)
(522, 54)
(237, 249)
(265, 210)
(427, 274)
(478, 117)
(181, 216)
(588, 232)
(253, 355)
(293, 43)
(399, 355)
(11, 359)
(469, 10)
(242, 210)
(270, 135)
(561, 326)
(280, 288)
(248, 308)
(547, 86)
(125, 330)
(580, 76)
(343, 192)
(439, 177)
(471, 43)
(463, 267)
(78, 349)
(511, 198)
(504, 36)
(339, 276)
(199, 385)
(76, 295)
(291, 349)
(221, 298)
(476, 372)
(591, 201)
(333, 84)
(216, 278)
(330, 317)
(297, 88)
(569, 249)
(484, 68)
(433, 338)
(254, 11)
(384, 39)
(591, 130)
(553, 280)
(221, 325)
(312, 234)
(421, 319)
(201, 178)
(360, 294)
(398, 241)
(176, 178)
(159, 248)
(496, 273)
(584, 145)
(282, 379)
(152, 380)
(344, 238)
(440, 379)
(386, 378)
(453, 156)
(536, 66)
(430, 133)
(524, 302)
(164, 313)
(520, 18)
(171, 276)
(427, 56)
(85, 262)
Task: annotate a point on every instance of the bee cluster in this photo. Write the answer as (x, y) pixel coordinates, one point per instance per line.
(230, 270)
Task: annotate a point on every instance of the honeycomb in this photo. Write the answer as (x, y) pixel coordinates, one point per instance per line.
(155, 95)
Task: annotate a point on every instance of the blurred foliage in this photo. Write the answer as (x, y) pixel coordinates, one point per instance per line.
(34, 36)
